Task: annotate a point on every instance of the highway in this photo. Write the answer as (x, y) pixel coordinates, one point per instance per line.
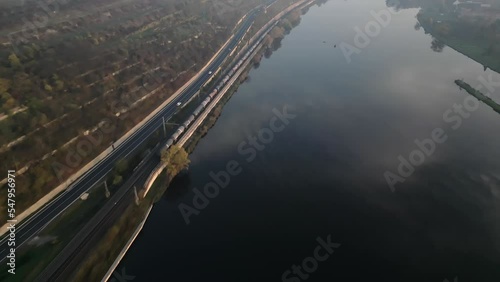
(36, 222)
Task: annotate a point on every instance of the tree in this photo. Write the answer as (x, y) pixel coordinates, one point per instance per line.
(29, 52)
(117, 179)
(4, 85)
(47, 88)
(7, 102)
(14, 61)
(417, 26)
(443, 29)
(121, 166)
(287, 25)
(21, 86)
(41, 177)
(59, 85)
(437, 46)
(277, 32)
(176, 159)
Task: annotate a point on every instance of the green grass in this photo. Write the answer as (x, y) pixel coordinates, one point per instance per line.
(105, 252)
(30, 263)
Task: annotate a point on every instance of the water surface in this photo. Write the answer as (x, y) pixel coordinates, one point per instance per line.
(324, 173)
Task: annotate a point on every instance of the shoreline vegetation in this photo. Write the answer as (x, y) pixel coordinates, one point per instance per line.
(478, 94)
(448, 29)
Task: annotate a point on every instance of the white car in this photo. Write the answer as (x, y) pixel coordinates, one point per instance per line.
(178, 104)
(210, 72)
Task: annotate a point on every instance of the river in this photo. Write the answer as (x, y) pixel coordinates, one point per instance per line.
(330, 133)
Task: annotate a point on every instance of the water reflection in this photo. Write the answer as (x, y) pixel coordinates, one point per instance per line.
(178, 189)
(437, 46)
(324, 173)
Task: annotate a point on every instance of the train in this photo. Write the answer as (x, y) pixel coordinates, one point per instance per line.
(211, 96)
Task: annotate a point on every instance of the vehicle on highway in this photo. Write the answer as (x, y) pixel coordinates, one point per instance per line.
(178, 104)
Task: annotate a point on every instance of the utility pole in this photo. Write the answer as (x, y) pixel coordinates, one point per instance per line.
(107, 193)
(164, 128)
(136, 196)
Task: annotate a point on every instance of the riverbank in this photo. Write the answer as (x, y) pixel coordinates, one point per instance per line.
(129, 243)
